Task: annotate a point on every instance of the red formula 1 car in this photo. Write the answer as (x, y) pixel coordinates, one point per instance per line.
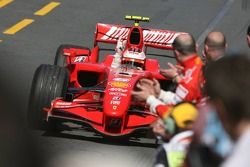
(78, 88)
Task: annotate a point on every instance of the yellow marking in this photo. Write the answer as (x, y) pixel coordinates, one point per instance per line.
(4, 2)
(46, 9)
(17, 27)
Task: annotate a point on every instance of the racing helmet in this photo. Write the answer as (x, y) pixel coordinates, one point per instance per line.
(180, 116)
(134, 57)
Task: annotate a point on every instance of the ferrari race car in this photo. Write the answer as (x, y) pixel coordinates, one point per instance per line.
(81, 89)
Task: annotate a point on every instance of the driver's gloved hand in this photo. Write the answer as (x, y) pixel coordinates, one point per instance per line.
(120, 46)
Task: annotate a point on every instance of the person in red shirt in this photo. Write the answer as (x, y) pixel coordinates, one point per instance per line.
(187, 74)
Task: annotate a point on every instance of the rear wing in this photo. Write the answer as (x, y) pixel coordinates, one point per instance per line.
(156, 38)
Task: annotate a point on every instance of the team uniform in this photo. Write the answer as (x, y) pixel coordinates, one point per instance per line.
(188, 89)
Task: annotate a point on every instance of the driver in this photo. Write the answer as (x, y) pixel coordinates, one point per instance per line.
(131, 57)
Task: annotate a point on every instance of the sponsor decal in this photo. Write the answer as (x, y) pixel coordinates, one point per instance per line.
(118, 90)
(122, 79)
(66, 54)
(115, 102)
(116, 98)
(198, 61)
(59, 106)
(114, 107)
(63, 103)
(115, 32)
(117, 94)
(96, 97)
(79, 59)
(150, 36)
(181, 91)
(188, 74)
(119, 84)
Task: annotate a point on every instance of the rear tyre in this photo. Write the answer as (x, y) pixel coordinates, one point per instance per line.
(48, 83)
(60, 59)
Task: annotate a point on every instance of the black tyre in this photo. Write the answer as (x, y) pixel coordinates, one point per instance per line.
(48, 83)
(60, 59)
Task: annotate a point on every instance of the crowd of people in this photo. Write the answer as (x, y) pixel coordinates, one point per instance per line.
(205, 121)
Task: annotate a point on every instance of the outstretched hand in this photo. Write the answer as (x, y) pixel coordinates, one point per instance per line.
(120, 46)
(172, 71)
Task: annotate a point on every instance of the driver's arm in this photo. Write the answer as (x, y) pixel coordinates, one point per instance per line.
(120, 46)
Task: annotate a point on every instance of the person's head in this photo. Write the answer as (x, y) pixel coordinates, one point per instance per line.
(184, 45)
(180, 118)
(134, 58)
(214, 46)
(228, 85)
(248, 36)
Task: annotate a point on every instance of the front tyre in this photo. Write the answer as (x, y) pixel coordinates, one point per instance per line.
(49, 82)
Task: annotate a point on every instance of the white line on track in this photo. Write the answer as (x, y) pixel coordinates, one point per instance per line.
(215, 21)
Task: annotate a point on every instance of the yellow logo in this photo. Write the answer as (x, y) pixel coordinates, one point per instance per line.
(198, 61)
(119, 84)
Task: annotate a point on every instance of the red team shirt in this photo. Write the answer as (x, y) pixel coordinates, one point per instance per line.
(188, 89)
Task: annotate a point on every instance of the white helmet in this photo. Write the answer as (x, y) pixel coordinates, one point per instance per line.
(134, 57)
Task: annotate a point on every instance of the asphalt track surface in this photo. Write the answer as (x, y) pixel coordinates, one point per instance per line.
(73, 22)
